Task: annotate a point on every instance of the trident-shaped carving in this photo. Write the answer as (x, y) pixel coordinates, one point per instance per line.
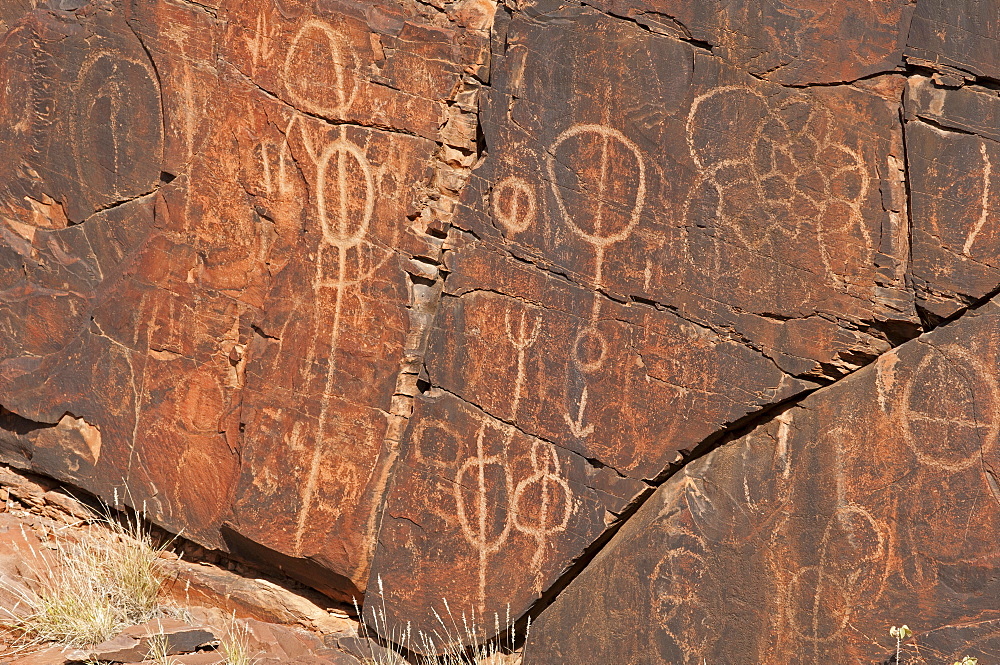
(521, 339)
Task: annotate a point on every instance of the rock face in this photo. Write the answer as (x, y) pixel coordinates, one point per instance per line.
(428, 300)
(209, 213)
(872, 502)
(655, 266)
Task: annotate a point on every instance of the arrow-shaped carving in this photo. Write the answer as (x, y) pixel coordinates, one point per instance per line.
(576, 426)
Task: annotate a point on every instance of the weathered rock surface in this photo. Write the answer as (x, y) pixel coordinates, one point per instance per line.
(953, 141)
(792, 42)
(427, 299)
(208, 214)
(960, 34)
(872, 503)
(655, 266)
(134, 644)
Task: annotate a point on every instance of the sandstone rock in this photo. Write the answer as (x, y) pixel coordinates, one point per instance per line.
(133, 644)
(200, 658)
(653, 267)
(369, 651)
(952, 145)
(203, 222)
(260, 599)
(958, 34)
(49, 656)
(421, 301)
(790, 42)
(870, 503)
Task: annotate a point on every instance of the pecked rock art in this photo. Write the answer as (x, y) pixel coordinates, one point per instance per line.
(872, 501)
(659, 265)
(207, 230)
(952, 138)
(423, 301)
(499, 498)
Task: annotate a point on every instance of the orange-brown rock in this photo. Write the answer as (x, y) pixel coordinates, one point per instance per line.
(869, 504)
(794, 42)
(425, 300)
(952, 144)
(956, 34)
(208, 214)
(629, 276)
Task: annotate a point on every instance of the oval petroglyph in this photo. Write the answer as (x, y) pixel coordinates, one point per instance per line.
(949, 410)
(117, 130)
(515, 205)
(318, 70)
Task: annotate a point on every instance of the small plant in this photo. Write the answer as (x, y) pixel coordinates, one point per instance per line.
(88, 589)
(901, 633)
(904, 633)
(443, 645)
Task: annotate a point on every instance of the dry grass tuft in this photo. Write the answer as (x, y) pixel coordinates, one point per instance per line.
(89, 589)
(159, 650)
(236, 646)
(443, 645)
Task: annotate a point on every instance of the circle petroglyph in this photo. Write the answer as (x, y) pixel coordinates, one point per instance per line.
(676, 578)
(515, 205)
(590, 348)
(117, 131)
(854, 549)
(602, 196)
(949, 410)
(317, 70)
(21, 68)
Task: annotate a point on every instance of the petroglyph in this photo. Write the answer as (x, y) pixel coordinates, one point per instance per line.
(345, 202)
(548, 502)
(538, 505)
(515, 205)
(486, 537)
(344, 184)
(262, 44)
(985, 202)
(318, 70)
(604, 202)
(792, 173)
(350, 209)
(521, 338)
(948, 412)
(848, 575)
(601, 203)
(674, 586)
(117, 126)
